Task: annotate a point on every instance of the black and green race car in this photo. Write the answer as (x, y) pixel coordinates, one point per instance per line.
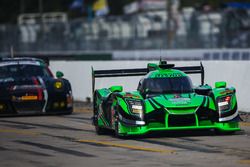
(164, 100)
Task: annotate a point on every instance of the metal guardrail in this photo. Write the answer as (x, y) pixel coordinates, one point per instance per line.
(228, 29)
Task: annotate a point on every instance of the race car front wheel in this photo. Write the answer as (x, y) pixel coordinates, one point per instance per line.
(99, 130)
(222, 133)
(117, 132)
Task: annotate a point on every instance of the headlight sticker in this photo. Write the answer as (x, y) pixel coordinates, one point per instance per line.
(135, 106)
(58, 85)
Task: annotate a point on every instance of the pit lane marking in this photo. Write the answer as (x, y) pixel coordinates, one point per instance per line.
(20, 132)
(244, 162)
(126, 146)
(82, 110)
(245, 123)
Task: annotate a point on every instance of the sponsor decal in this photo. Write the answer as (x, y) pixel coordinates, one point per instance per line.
(170, 75)
(129, 95)
(180, 100)
(226, 92)
(24, 98)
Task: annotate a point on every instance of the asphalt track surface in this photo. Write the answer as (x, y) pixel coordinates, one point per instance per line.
(70, 140)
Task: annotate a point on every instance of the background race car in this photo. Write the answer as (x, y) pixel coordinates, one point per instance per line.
(27, 86)
(164, 100)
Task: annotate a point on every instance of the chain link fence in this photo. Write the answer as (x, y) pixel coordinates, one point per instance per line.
(192, 29)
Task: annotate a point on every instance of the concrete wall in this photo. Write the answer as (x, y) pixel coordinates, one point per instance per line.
(235, 73)
(183, 54)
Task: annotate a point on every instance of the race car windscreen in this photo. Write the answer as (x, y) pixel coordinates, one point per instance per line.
(167, 85)
(23, 70)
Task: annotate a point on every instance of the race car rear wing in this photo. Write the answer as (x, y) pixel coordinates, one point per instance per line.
(142, 71)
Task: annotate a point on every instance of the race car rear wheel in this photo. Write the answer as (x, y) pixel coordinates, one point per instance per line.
(98, 130)
(95, 111)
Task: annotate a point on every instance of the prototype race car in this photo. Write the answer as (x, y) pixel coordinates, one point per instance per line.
(27, 86)
(164, 100)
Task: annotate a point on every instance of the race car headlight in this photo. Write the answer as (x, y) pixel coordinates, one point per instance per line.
(2, 106)
(224, 103)
(58, 85)
(136, 107)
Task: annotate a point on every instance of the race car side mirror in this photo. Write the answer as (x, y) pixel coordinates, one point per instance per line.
(116, 88)
(221, 84)
(59, 74)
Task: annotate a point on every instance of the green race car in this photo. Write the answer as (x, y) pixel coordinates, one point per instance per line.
(164, 100)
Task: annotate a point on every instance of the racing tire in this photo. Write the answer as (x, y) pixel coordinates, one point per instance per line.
(95, 108)
(100, 131)
(69, 112)
(222, 133)
(117, 133)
